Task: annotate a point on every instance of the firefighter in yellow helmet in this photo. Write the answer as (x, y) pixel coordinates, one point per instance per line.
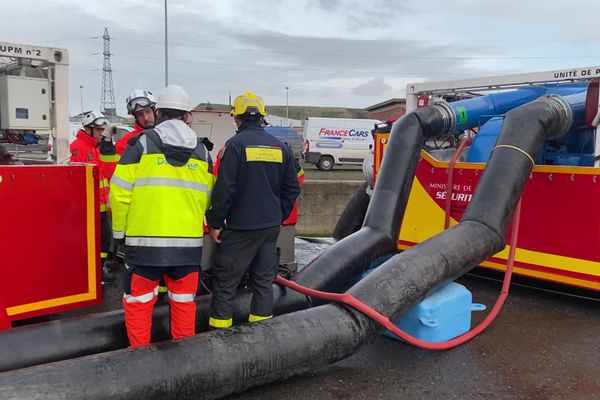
(255, 192)
(159, 194)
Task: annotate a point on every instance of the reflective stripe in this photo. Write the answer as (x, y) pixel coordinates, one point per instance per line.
(201, 187)
(109, 158)
(144, 142)
(103, 254)
(119, 234)
(122, 183)
(220, 323)
(162, 289)
(163, 241)
(181, 297)
(256, 318)
(103, 183)
(265, 154)
(300, 173)
(144, 298)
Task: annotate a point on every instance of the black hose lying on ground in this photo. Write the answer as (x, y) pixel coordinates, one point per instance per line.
(218, 363)
(331, 271)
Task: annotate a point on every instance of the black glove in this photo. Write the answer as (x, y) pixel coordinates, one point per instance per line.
(107, 147)
(208, 144)
(118, 248)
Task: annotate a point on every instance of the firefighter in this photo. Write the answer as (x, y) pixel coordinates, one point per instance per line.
(255, 191)
(159, 194)
(141, 105)
(93, 145)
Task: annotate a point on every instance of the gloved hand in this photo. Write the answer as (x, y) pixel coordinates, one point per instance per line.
(110, 131)
(118, 248)
(208, 144)
(107, 147)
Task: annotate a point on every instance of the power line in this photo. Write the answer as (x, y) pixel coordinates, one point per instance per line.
(370, 56)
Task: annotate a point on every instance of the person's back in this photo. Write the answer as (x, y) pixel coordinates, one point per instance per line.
(159, 194)
(255, 192)
(266, 166)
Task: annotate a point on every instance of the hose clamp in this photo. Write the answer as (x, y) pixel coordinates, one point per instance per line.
(564, 111)
(448, 117)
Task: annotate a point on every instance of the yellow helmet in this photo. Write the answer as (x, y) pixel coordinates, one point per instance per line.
(248, 103)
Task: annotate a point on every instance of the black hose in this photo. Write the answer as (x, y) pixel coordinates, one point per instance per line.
(219, 363)
(331, 271)
(353, 215)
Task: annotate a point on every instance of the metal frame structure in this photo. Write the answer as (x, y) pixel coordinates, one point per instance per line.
(502, 82)
(57, 61)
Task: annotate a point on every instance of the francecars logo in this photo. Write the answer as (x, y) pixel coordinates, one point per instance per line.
(344, 132)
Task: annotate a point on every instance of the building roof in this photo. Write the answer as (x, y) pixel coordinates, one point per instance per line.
(386, 103)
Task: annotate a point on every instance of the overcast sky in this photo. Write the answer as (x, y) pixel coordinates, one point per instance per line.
(328, 52)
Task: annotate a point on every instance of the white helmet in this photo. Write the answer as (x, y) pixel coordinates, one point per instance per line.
(139, 99)
(94, 119)
(175, 98)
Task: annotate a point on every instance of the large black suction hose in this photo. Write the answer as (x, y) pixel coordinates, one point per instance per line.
(331, 271)
(218, 363)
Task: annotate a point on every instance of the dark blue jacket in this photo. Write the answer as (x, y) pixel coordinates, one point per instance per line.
(257, 183)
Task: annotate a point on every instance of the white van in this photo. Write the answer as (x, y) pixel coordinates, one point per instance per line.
(331, 141)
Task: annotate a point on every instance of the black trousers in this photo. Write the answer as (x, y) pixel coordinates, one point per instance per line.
(238, 253)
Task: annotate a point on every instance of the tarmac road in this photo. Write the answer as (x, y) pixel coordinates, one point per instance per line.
(338, 173)
(542, 346)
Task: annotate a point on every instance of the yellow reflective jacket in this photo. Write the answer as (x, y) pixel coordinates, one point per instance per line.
(159, 194)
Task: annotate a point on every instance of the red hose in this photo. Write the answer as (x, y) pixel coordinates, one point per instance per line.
(384, 321)
(463, 142)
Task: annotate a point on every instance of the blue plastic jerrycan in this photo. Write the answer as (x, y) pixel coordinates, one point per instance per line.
(443, 315)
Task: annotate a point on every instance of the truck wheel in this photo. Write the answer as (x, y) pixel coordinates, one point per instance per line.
(325, 163)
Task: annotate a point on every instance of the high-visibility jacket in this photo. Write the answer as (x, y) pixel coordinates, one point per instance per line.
(160, 192)
(121, 144)
(86, 149)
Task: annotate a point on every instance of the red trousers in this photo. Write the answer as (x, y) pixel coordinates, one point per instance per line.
(141, 292)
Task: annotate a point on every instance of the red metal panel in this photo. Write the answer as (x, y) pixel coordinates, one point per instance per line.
(559, 209)
(4, 320)
(47, 258)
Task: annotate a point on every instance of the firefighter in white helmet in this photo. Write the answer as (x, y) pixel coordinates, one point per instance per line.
(141, 105)
(159, 194)
(94, 146)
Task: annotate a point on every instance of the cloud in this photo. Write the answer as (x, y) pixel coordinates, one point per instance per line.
(329, 52)
(375, 87)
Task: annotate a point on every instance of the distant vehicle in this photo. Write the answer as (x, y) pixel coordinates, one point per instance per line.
(331, 141)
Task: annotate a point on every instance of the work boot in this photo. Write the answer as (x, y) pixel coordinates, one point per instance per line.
(107, 275)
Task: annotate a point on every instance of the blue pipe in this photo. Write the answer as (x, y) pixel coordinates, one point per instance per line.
(476, 111)
(473, 112)
(488, 133)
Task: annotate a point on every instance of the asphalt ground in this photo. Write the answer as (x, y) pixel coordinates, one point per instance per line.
(337, 173)
(543, 346)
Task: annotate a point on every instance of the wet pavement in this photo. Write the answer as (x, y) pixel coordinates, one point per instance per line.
(542, 346)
